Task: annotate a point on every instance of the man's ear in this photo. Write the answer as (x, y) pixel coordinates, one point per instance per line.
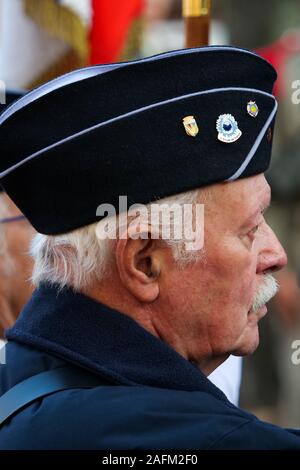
(139, 266)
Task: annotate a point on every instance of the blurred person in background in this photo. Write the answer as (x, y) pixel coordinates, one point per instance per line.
(15, 262)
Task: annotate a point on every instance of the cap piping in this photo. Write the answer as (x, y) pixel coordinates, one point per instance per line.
(146, 108)
(255, 146)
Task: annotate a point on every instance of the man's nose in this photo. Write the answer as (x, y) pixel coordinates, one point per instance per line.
(272, 256)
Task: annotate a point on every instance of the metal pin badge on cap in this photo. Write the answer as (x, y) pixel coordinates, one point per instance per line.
(252, 108)
(227, 127)
(190, 125)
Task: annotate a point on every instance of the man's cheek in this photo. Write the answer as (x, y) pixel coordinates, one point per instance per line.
(245, 289)
(235, 263)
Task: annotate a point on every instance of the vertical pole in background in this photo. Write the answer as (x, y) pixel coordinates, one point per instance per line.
(196, 14)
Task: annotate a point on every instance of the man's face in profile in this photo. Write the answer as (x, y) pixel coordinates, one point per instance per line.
(216, 303)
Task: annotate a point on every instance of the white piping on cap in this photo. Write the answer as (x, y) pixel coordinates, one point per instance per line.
(140, 110)
(255, 146)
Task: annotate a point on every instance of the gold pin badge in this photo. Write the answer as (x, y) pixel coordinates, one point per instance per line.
(190, 126)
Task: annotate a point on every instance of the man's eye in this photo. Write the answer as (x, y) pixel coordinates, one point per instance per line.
(254, 230)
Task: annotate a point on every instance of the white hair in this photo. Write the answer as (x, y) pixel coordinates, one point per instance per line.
(78, 258)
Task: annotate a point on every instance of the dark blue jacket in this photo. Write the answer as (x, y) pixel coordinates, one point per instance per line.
(152, 398)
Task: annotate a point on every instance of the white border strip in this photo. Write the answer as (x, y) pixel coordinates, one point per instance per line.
(140, 110)
(87, 72)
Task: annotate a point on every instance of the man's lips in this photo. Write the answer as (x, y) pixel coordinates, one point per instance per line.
(260, 313)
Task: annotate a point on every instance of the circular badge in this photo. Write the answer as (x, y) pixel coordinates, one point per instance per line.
(227, 127)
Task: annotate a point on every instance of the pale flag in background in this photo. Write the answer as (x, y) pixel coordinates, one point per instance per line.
(41, 39)
(26, 50)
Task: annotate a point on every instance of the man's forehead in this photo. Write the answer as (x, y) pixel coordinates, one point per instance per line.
(259, 191)
(267, 198)
(244, 194)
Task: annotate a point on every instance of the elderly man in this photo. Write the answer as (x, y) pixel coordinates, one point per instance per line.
(113, 349)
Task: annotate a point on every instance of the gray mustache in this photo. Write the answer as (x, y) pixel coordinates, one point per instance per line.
(266, 291)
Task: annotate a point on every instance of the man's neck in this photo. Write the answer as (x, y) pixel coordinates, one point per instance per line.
(144, 316)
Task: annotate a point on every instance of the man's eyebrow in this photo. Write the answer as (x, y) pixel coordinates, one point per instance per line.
(265, 206)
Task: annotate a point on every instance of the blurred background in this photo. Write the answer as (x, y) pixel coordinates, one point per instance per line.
(41, 39)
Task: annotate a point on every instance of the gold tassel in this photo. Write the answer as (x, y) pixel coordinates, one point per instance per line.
(60, 22)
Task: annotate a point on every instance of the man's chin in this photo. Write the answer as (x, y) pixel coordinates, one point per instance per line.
(249, 345)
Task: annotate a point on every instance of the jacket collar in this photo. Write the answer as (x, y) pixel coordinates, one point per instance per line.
(82, 331)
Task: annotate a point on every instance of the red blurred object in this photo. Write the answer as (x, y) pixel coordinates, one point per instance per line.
(110, 23)
(278, 53)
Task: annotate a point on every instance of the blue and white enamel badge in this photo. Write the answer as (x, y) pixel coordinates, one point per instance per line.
(227, 127)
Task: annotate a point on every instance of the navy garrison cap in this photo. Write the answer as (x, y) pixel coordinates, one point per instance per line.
(146, 129)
